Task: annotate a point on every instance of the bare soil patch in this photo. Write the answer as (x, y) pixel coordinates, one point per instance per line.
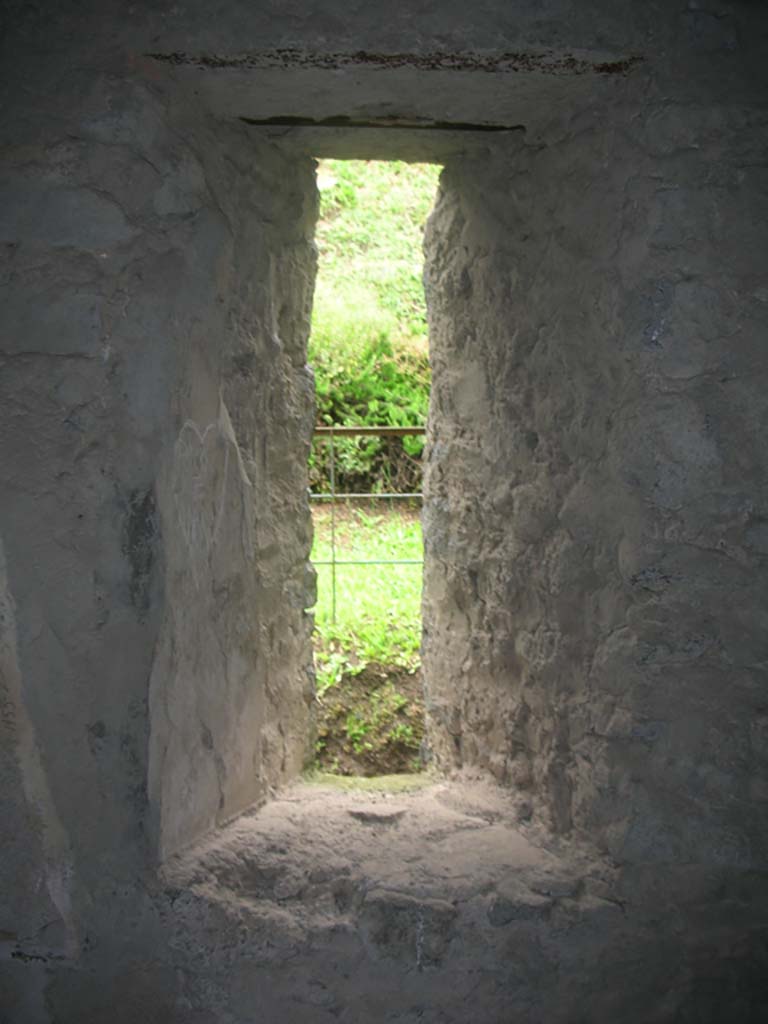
(372, 723)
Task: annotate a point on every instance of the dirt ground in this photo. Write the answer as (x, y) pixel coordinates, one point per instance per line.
(372, 723)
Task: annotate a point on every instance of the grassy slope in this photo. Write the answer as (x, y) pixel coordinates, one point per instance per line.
(369, 240)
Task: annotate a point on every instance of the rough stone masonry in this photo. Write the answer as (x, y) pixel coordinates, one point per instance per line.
(593, 847)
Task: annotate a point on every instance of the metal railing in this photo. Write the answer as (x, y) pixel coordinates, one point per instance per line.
(330, 434)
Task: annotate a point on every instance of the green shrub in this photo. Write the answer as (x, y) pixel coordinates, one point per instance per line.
(361, 378)
(368, 342)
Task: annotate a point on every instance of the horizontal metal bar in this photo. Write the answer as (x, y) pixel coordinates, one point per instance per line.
(375, 561)
(368, 431)
(339, 497)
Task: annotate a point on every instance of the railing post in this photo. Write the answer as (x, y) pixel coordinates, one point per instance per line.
(333, 531)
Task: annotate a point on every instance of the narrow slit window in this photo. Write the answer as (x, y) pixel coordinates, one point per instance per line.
(370, 354)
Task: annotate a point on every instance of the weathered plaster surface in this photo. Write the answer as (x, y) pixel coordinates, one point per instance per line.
(231, 688)
(156, 541)
(595, 597)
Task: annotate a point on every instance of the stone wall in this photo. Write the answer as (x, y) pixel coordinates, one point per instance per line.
(595, 606)
(596, 493)
(157, 416)
(232, 682)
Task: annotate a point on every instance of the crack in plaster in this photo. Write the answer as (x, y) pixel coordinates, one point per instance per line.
(543, 62)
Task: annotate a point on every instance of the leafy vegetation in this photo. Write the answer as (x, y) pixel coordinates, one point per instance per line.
(368, 345)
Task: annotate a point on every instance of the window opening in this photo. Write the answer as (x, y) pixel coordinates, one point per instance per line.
(369, 350)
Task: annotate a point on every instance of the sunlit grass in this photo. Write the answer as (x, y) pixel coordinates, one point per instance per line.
(369, 240)
(378, 607)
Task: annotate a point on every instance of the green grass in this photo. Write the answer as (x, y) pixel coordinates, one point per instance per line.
(378, 607)
(369, 239)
